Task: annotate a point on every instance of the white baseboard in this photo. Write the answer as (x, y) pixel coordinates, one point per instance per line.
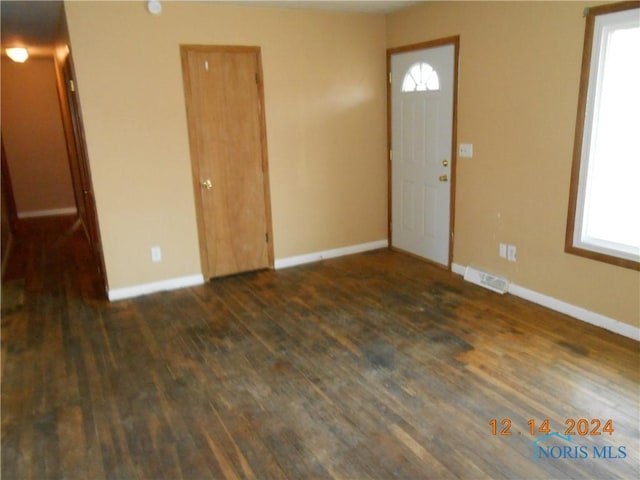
(193, 280)
(53, 212)
(336, 252)
(154, 287)
(574, 311)
(458, 269)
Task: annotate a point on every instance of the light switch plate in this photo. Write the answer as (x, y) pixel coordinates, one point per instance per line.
(465, 150)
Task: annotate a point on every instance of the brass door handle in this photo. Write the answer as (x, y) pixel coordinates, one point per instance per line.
(206, 184)
(443, 178)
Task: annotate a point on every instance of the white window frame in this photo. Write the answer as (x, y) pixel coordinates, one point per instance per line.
(600, 22)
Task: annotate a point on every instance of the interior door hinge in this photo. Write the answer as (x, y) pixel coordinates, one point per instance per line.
(72, 85)
(257, 79)
(391, 155)
(266, 237)
(206, 65)
(390, 78)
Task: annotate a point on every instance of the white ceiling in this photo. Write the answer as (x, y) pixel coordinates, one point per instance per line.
(33, 23)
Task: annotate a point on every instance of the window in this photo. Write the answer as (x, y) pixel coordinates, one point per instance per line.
(604, 207)
(420, 77)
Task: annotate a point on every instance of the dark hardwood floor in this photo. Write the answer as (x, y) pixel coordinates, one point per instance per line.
(369, 366)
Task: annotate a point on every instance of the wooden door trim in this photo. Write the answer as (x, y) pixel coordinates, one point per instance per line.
(455, 41)
(7, 187)
(195, 167)
(265, 160)
(78, 158)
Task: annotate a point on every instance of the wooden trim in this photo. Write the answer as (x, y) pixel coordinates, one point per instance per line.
(455, 41)
(265, 159)
(6, 254)
(389, 165)
(195, 168)
(220, 48)
(569, 246)
(73, 125)
(611, 8)
(454, 151)
(8, 209)
(603, 257)
(7, 191)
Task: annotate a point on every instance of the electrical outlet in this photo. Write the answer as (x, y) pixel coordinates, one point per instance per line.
(156, 254)
(502, 250)
(511, 253)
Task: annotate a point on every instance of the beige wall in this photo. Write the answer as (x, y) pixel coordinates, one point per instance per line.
(325, 113)
(518, 90)
(326, 126)
(34, 138)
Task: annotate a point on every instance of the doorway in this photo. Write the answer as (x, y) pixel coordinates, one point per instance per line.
(227, 134)
(62, 117)
(51, 167)
(79, 163)
(422, 137)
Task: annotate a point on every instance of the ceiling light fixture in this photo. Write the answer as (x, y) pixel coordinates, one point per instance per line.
(17, 54)
(154, 7)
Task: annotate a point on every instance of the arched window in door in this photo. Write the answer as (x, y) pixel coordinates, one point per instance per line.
(420, 77)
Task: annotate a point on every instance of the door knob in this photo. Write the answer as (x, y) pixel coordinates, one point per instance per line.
(443, 178)
(206, 184)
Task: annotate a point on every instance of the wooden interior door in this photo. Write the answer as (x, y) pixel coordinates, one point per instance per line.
(224, 97)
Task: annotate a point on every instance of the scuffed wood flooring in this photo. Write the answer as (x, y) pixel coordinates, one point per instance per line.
(369, 366)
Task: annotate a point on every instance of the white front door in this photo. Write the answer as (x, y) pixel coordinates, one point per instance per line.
(422, 84)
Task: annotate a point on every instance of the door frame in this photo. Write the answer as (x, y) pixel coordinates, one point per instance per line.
(7, 190)
(455, 41)
(77, 152)
(195, 166)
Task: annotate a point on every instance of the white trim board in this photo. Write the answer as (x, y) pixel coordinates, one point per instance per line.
(155, 287)
(194, 280)
(53, 212)
(325, 254)
(574, 311)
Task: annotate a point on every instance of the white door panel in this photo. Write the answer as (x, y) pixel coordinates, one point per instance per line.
(421, 141)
